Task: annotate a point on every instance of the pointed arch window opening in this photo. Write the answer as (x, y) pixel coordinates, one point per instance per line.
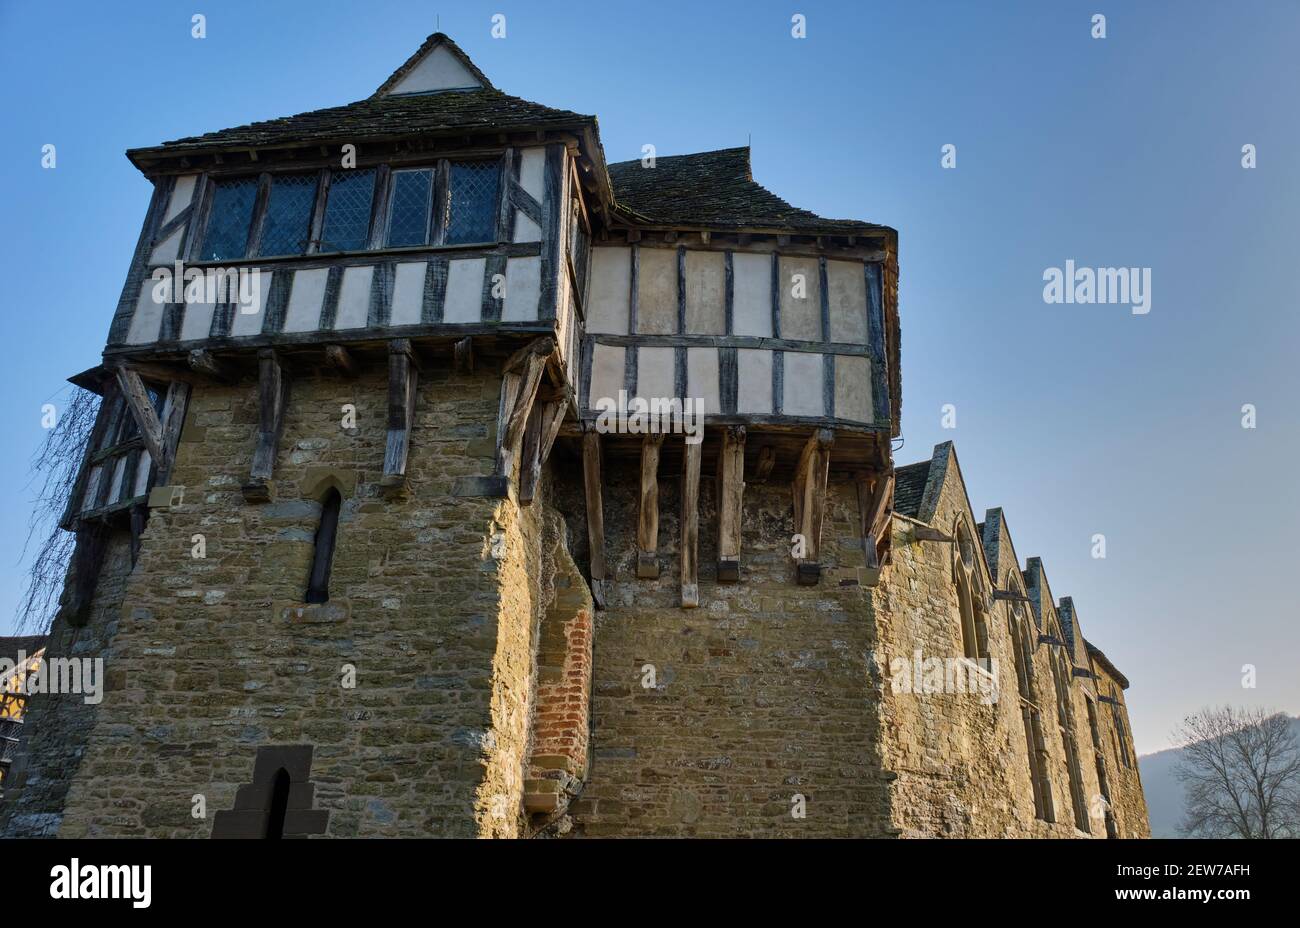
(323, 554)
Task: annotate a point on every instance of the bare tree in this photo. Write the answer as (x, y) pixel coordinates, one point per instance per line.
(54, 473)
(1241, 770)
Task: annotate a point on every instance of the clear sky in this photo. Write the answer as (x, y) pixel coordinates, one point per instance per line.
(1078, 419)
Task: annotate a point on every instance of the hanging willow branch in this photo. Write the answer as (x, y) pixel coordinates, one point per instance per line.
(54, 471)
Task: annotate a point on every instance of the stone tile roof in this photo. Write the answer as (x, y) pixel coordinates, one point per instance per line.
(909, 487)
(451, 111)
(713, 188)
(1096, 654)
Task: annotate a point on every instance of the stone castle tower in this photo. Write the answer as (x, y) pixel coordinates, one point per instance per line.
(392, 520)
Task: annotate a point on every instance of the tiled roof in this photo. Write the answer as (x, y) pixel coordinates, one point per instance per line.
(384, 117)
(713, 188)
(909, 487)
(1100, 658)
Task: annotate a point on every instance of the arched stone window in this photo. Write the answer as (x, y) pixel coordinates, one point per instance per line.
(1065, 719)
(318, 586)
(970, 593)
(1019, 625)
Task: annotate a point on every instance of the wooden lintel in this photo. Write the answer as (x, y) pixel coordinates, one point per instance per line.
(691, 457)
(142, 408)
(403, 383)
(595, 516)
(272, 400)
(202, 361)
(159, 371)
(341, 360)
(731, 491)
(647, 531)
(810, 502)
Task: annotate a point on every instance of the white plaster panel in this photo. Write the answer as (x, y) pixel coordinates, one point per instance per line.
(168, 249)
(464, 300)
(606, 373)
(354, 298)
(846, 291)
(197, 321)
(753, 380)
(751, 294)
(305, 300)
(656, 370)
(250, 323)
(702, 378)
(408, 293)
(438, 70)
(611, 280)
(852, 388)
(802, 377)
(523, 289)
(146, 321)
(801, 317)
(706, 293)
(182, 194)
(656, 291)
(525, 229)
(532, 172)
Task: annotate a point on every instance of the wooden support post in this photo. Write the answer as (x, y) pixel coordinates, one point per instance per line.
(766, 461)
(341, 360)
(731, 492)
(595, 516)
(875, 502)
(178, 396)
(403, 381)
(142, 408)
(519, 383)
(810, 503)
(647, 530)
(463, 356)
(272, 400)
(691, 456)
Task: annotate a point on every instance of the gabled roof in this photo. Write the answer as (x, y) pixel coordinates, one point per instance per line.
(1096, 654)
(909, 487)
(713, 188)
(438, 64)
(390, 116)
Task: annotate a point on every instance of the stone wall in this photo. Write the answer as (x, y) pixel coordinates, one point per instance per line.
(435, 603)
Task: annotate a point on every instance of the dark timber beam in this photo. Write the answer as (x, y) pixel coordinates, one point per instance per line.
(766, 461)
(810, 503)
(403, 381)
(341, 360)
(691, 456)
(202, 361)
(875, 501)
(595, 516)
(142, 408)
(647, 529)
(272, 400)
(463, 356)
(731, 492)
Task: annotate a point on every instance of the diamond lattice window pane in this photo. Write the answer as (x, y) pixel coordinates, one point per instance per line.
(347, 212)
(232, 212)
(472, 206)
(408, 222)
(288, 215)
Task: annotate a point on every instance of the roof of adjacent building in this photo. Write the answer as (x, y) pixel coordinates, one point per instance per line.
(909, 487)
(713, 188)
(1096, 654)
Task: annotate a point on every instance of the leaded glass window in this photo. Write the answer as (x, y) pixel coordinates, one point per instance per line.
(408, 222)
(347, 210)
(472, 205)
(230, 217)
(288, 214)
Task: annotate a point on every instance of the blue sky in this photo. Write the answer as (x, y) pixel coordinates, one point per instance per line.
(1077, 419)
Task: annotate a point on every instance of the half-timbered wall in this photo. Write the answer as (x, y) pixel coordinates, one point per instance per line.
(760, 335)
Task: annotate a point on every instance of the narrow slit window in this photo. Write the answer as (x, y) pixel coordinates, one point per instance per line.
(318, 587)
(279, 806)
(408, 220)
(347, 211)
(472, 203)
(229, 220)
(288, 214)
